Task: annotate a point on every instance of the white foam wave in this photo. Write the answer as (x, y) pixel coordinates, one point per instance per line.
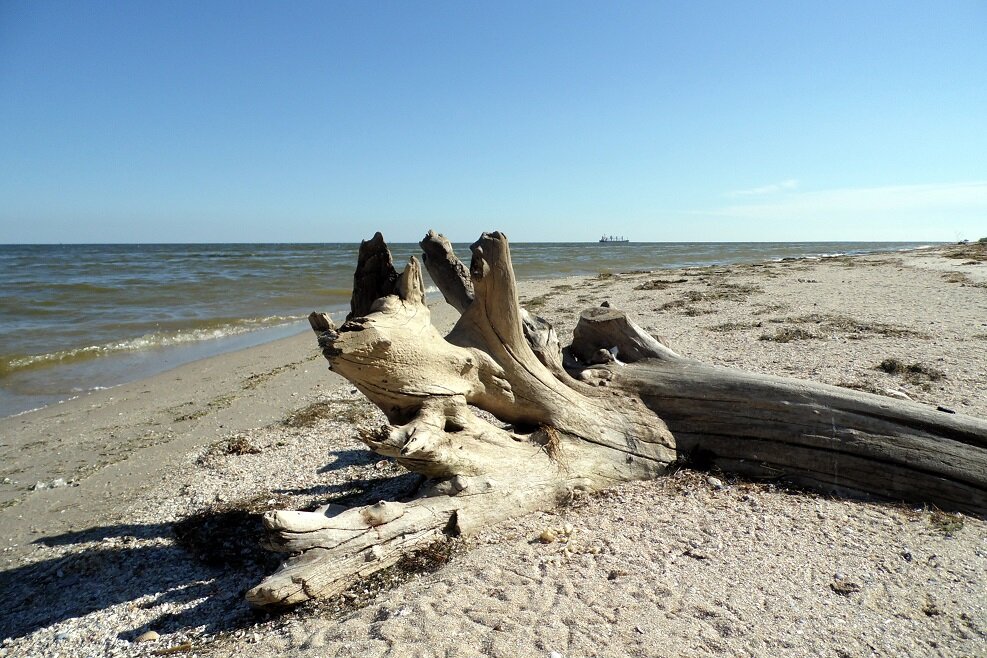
(153, 341)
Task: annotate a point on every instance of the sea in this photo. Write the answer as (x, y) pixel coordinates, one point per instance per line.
(77, 318)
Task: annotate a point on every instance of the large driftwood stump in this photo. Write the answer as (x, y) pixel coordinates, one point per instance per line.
(616, 405)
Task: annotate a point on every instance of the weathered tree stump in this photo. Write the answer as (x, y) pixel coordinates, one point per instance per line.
(616, 405)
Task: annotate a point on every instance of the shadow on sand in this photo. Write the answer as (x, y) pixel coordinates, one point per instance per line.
(193, 573)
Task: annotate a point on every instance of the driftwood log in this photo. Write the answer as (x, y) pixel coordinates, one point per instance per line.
(616, 405)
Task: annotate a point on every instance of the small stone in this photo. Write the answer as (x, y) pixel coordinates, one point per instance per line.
(716, 483)
(8, 481)
(62, 636)
(567, 529)
(555, 654)
(149, 636)
(39, 485)
(58, 483)
(546, 537)
(906, 554)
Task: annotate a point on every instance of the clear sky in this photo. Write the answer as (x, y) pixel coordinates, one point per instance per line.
(242, 121)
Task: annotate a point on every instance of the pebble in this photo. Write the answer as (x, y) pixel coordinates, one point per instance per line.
(546, 537)
(149, 636)
(716, 483)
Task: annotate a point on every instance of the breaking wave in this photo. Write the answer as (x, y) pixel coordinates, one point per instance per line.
(12, 363)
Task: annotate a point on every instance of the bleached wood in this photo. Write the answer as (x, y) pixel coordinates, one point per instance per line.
(609, 329)
(560, 433)
(823, 437)
(448, 272)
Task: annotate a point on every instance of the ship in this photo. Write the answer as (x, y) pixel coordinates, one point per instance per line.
(611, 239)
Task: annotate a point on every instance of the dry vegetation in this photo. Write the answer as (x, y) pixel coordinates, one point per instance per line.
(659, 284)
(915, 373)
(971, 251)
(347, 411)
(827, 324)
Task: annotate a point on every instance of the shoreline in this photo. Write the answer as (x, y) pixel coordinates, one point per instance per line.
(62, 375)
(170, 452)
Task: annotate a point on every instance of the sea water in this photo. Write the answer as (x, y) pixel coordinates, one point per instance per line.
(74, 318)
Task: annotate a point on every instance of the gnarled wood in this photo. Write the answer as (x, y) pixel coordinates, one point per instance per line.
(599, 420)
(611, 330)
(375, 276)
(822, 437)
(447, 271)
(453, 280)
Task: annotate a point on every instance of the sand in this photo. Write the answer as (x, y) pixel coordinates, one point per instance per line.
(156, 532)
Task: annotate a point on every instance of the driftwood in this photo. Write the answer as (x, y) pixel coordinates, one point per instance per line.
(616, 405)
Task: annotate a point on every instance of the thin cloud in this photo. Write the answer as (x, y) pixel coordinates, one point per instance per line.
(930, 199)
(774, 188)
(933, 212)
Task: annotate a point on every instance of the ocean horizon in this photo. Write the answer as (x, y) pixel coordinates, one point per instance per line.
(81, 317)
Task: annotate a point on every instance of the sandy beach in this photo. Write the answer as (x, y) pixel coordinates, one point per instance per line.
(134, 509)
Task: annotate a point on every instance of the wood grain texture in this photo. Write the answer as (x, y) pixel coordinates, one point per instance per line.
(585, 423)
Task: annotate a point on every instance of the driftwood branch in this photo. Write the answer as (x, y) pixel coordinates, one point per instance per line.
(448, 272)
(621, 406)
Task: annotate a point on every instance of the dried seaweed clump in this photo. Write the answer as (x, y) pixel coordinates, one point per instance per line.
(658, 284)
(975, 251)
(945, 522)
(239, 445)
(229, 535)
(788, 334)
(916, 372)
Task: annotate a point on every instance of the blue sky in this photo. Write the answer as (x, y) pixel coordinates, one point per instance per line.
(322, 122)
